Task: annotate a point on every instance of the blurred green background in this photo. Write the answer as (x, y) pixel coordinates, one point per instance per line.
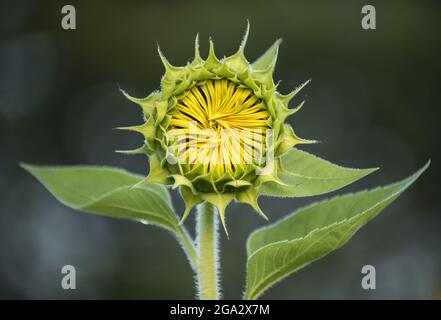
(373, 101)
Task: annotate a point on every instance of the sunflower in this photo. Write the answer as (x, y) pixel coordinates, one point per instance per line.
(216, 128)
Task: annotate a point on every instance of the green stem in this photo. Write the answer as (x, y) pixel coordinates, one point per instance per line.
(188, 246)
(207, 252)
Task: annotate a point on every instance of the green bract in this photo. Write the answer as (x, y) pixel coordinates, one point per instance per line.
(195, 182)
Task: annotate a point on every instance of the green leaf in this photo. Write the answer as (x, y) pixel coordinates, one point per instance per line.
(109, 192)
(307, 175)
(310, 233)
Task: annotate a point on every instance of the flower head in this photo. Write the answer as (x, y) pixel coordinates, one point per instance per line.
(216, 128)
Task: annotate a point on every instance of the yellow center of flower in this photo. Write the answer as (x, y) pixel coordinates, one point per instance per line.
(220, 125)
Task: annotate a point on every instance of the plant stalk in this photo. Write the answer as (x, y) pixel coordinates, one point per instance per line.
(207, 235)
(188, 247)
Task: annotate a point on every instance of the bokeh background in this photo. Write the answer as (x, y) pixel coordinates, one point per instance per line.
(374, 100)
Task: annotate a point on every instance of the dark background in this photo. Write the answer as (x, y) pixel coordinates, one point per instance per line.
(373, 101)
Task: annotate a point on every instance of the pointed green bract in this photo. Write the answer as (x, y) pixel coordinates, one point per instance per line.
(220, 201)
(250, 196)
(269, 58)
(190, 200)
(308, 234)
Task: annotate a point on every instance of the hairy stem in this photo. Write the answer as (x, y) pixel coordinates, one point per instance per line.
(207, 275)
(188, 246)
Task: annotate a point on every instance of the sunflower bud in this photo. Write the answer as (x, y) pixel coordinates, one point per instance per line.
(216, 128)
